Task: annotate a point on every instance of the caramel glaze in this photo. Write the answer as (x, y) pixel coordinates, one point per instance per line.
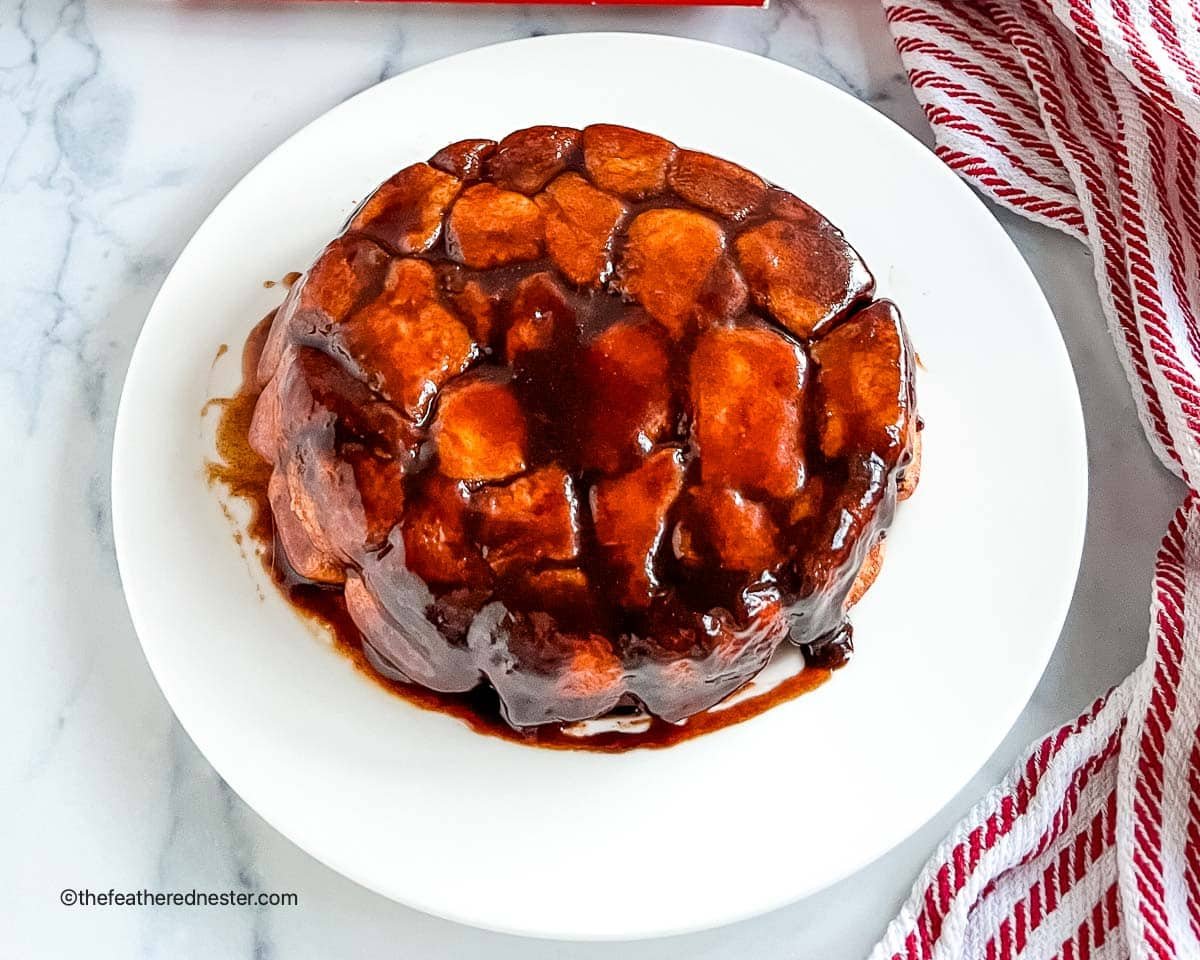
(245, 475)
(480, 709)
(584, 417)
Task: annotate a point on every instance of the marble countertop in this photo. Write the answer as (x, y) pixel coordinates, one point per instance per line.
(122, 122)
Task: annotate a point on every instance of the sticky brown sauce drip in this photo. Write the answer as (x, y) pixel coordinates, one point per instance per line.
(244, 475)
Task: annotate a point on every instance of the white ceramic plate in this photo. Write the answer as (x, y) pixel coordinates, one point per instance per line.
(951, 640)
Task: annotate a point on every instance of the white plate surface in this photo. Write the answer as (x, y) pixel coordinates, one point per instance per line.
(951, 639)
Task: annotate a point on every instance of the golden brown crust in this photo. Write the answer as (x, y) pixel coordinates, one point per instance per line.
(464, 159)
(674, 264)
(806, 279)
(581, 223)
(527, 160)
(866, 574)
(490, 227)
(911, 476)
(716, 185)
(406, 212)
(627, 162)
(406, 341)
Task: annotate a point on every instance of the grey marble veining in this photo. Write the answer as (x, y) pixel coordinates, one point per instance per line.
(121, 125)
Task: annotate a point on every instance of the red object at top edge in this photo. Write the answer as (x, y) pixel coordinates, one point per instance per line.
(578, 3)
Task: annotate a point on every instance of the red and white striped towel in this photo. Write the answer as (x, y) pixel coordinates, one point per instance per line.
(1085, 115)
